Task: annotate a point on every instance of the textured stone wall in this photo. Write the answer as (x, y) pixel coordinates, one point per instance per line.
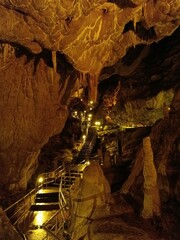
(31, 112)
(7, 231)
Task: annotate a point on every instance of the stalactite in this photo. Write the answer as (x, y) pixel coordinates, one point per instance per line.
(78, 86)
(151, 205)
(5, 52)
(50, 75)
(54, 60)
(116, 92)
(92, 86)
(64, 86)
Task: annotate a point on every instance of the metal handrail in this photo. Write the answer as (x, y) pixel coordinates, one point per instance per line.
(22, 234)
(51, 233)
(20, 200)
(48, 177)
(59, 221)
(23, 201)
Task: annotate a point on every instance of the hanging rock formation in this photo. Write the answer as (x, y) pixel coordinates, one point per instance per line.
(34, 95)
(93, 35)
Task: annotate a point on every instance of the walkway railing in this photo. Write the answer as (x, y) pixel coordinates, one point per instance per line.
(49, 177)
(55, 225)
(17, 211)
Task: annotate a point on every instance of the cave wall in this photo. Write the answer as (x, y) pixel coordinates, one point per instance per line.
(92, 36)
(31, 112)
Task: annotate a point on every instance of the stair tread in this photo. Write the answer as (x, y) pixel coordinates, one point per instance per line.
(44, 207)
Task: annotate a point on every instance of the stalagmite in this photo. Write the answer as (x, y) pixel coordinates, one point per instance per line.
(151, 205)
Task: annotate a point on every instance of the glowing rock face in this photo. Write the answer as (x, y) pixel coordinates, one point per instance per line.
(92, 35)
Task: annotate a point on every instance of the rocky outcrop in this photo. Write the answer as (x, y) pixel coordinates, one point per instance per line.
(7, 231)
(95, 213)
(90, 196)
(164, 141)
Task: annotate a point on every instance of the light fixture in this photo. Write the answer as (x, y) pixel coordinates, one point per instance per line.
(40, 180)
(97, 123)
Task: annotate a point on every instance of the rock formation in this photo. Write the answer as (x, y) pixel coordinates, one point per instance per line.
(151, 204)
(7, 231)
(92, 36)
(51, 51)
(30, 113)
(89, 196)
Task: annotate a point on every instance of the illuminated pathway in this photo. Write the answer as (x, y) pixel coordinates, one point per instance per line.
(34, 229)
(38, 222)
(41, 214)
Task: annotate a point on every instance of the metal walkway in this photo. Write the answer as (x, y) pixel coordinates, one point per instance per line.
(47, 204)
(49, 201)
(44, 211)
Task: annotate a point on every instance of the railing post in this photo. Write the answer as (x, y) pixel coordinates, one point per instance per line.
(56, 225)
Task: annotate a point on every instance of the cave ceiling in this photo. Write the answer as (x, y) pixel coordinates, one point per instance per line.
(92, 34)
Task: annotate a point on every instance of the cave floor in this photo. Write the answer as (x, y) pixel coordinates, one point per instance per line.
(32, 225)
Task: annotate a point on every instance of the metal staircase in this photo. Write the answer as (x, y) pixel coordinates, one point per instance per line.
(53, 193)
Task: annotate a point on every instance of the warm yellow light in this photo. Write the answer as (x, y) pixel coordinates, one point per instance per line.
(39, 219)
(40, 180)
(88, 163)
(89, 119)
(91, 102)
(90, 108)
(90, 115)
(84, 136)
(97, 123)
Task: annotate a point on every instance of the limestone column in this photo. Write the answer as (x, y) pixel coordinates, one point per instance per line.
(151, 205)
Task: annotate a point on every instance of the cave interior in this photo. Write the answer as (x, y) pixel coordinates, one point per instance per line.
(71, 70)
